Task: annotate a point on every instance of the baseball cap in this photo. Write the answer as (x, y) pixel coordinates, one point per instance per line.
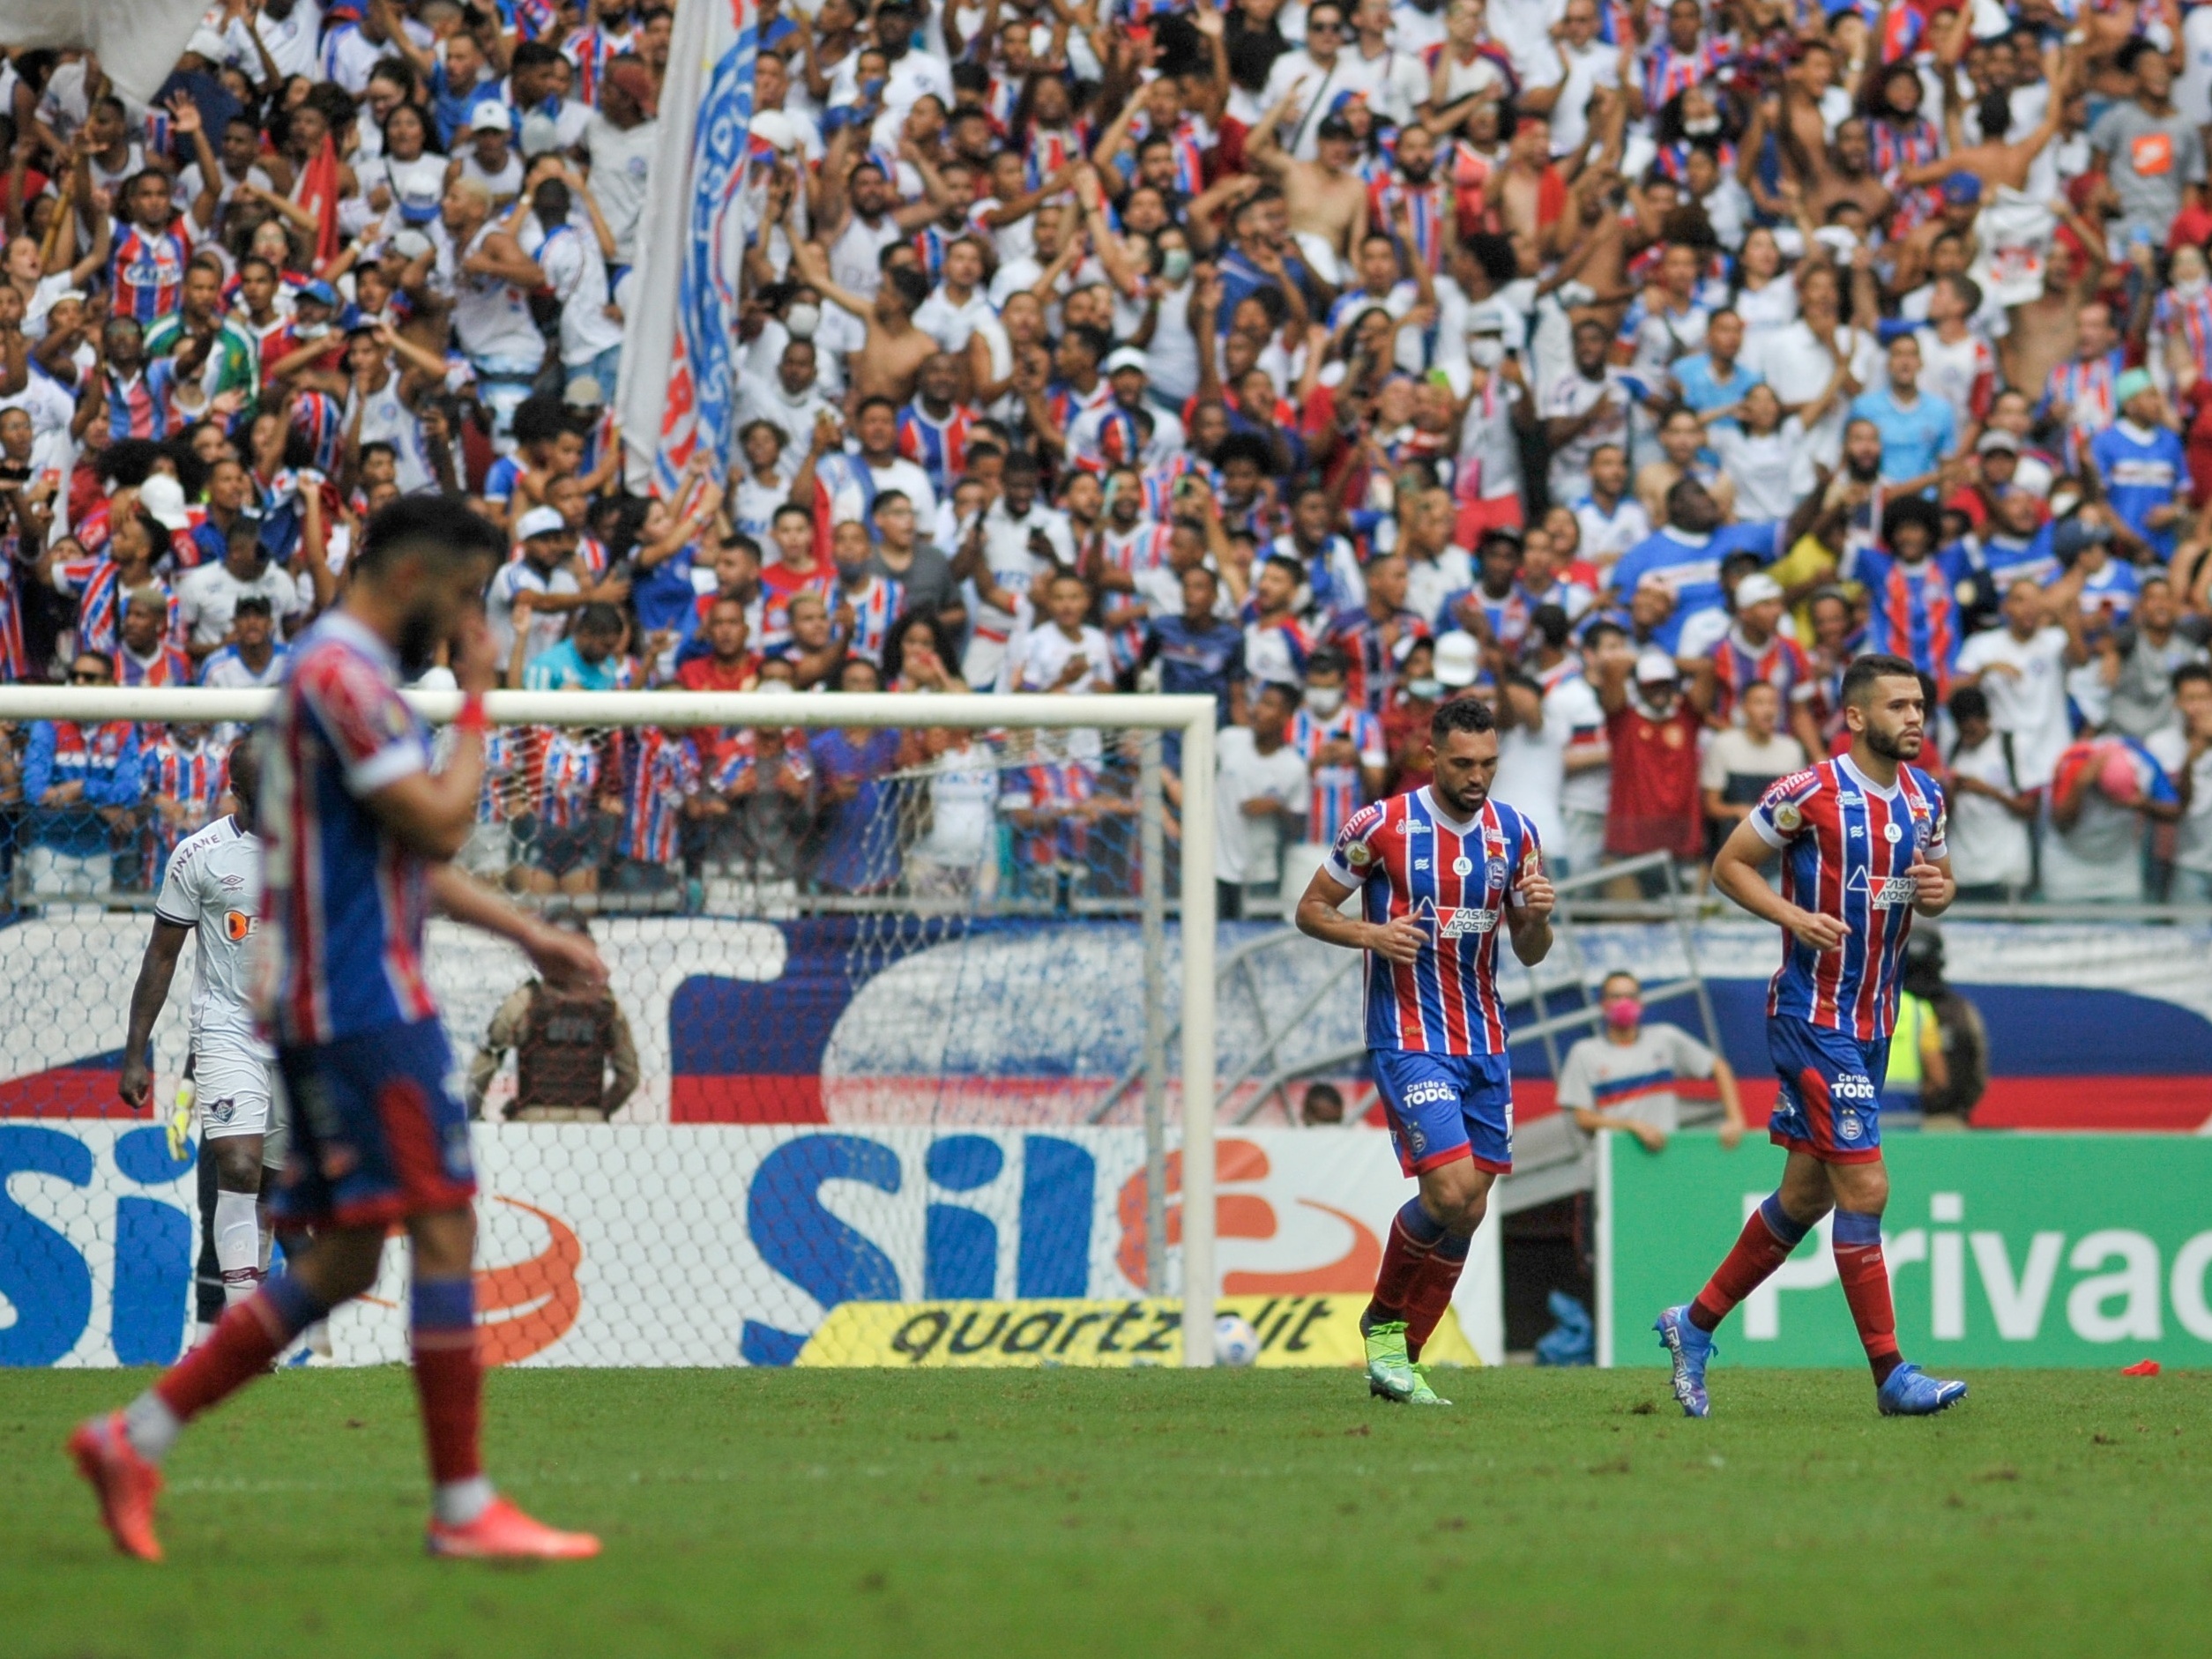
(584, 392)
(1128, 357)
(2134, 383)
(540, 135)
(1655, 668)
(1756, 588)
(164, 497)
(1961, 189)
(1333, 127)
(2072, 535)
(540, 521)
(1458, 661)
(320, 293)
(490, 115)
(1994, 442)
(411, 244)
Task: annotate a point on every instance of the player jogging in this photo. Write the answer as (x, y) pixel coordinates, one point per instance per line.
(1437, 871)
(1861, 839)
(211, 893)
(358, 830)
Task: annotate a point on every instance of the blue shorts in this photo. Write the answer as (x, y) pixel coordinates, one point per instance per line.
(1447, 1106)
(379, 1130)
(1830, 1103)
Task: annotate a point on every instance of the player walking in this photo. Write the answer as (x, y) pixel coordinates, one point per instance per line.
(358, 831)
(1437, 870)
(210, 892)
(1862, 844)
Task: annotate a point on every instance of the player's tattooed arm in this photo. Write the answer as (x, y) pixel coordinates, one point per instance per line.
(1736, 873)
(1402, 939)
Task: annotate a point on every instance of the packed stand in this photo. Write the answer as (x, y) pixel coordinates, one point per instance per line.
(1631, 366)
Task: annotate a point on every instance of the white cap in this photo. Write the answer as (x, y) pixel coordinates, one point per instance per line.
(1756, 588)
(1128, 357)
(540, 135)
(773, 127)
(584, 392)
(164, 497)
(540, 521)
(411, 244)
(1458, 661)
(490, 115)
(1655, 668)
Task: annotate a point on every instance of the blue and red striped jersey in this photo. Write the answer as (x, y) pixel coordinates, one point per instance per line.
(1409, 859)
(1846, 845)
(940, 448)
(148, 273)
(345, 903)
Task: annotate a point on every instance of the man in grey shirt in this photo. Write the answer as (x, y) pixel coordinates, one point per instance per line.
(919, 567)
(2152, 152)
(1623, 1079)
(2141, 675)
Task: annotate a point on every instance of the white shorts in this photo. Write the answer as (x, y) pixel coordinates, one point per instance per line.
(236, 1094)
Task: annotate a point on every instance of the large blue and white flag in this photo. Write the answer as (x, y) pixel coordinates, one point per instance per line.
(680, 360)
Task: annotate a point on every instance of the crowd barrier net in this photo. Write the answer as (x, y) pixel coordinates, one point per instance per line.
(870, 980)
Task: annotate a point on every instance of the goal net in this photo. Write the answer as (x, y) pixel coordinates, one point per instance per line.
(908, 1056)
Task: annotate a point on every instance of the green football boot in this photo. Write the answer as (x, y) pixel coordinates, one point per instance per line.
(1423, 1394)
(1390, 1375)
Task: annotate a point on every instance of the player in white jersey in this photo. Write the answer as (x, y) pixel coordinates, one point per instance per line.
(212, 892)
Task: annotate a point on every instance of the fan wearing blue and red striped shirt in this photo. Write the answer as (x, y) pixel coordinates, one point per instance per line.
(1437, 870)
(1862, 846)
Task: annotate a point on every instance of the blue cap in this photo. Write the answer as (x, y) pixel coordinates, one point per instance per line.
(1962, 190)
(320, 293)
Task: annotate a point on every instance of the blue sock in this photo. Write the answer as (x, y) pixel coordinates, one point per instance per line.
(298, 1307)
(1418, 1223)
(1785, 1230)
(1453, 1246)
(442, 1306)
(1852, 1228)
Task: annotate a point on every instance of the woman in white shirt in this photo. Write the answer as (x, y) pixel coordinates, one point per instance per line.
(1766, 294)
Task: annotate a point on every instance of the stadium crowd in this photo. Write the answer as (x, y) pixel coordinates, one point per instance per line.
(1634, 366)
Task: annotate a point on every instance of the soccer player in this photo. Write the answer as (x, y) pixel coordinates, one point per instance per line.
(211, 891)
(358, 831)
(1861, 838)
(1437, 871)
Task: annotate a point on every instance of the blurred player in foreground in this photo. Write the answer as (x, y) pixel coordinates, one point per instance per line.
(1437, 869)
(358, 830)
(1861, 838)
(211, 893)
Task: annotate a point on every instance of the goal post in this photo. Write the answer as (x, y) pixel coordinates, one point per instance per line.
(1019, 727)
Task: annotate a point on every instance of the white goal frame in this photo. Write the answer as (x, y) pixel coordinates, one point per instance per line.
(1193, 717)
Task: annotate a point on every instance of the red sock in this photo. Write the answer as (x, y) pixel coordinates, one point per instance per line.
(239, 1350)
(1431, 1292)
(1404, 1255)
(1764, 1245)
(449, 1382)
(1865, 1276)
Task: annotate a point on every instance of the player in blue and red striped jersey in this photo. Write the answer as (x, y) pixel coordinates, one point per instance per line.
(936, 441)
(1437, 871)
(1861, 839)
(137, 398)
(359, 830)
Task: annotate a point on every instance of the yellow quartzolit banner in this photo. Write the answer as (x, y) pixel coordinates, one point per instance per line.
(1295, 1330)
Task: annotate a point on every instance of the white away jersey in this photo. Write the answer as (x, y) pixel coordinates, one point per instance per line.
(213, 886)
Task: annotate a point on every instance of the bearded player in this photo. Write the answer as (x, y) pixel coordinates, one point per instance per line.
(1437, 871)
(1861, 839)
(358, 830)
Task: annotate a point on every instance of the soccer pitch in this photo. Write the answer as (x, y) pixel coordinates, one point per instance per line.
(1145, 1513)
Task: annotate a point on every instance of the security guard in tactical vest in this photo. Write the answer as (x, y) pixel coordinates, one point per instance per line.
(575, 1061)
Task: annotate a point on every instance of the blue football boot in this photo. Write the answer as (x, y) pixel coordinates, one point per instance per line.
(1691, 1347)
(1912, 1393)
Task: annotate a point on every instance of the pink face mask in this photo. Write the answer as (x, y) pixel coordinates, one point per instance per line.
(1623, 1012)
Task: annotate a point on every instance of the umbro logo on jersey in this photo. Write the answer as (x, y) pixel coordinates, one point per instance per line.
(232, 880)
(1420, 863)
(1858, 831)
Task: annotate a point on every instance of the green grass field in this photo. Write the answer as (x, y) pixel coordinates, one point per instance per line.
(1146, 1512)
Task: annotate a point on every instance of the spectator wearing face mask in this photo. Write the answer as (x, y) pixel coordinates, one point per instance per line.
(1623, 1079)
